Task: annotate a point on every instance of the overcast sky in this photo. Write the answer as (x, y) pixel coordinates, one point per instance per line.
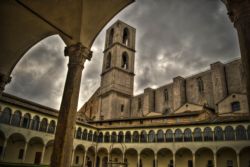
(174, 38)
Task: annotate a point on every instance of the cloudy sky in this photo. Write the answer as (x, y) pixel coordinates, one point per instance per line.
(174, 38)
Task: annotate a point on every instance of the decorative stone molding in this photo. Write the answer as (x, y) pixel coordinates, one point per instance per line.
(77, 54)
(237, 9)
(4, 79)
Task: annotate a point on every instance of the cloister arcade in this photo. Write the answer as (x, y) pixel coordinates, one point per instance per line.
(28, 136)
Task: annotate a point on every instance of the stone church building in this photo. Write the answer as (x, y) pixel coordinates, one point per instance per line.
(197, 121)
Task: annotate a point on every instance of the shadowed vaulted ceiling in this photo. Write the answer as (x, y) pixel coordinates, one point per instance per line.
(26, 22)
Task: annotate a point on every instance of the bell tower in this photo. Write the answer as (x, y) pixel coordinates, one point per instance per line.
(117, 78)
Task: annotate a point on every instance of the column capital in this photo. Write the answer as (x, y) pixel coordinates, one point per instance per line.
(77, 54)
(237, 9)
(4, 79)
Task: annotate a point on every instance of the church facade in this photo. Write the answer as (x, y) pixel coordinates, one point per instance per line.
(198, 121)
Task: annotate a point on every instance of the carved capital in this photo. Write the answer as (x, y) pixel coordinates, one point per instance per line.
(4, 79)
(237, 9)
(77, 54)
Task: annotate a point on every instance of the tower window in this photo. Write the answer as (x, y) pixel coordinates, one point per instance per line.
(200, 85)
(108, 62)
(125, 36)
(111, 36)
(122, 108)
(166, 95)
(125, 60)
(235, 106)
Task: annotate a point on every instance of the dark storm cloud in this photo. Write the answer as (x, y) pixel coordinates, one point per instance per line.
(173, 38)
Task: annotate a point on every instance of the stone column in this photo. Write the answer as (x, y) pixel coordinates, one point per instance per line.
(215, 159)
(63, 145)
(4, 80)
(84, 159)
(72, 159)
(238, 159)
(174, 160)
(24, 152)
(4, 149)
(193, 159)
(156, 160)
(239, 14)
(43, 151)
(138, 160)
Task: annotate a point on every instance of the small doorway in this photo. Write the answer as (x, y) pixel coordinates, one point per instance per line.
(38, 157)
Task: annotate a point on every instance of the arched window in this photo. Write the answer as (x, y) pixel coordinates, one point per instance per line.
(35, 123)
(151, 136)
(169, 135)
(235, 106)
(85, 134)
(111, 37)
(120, 137)
(44, 125)
(113, 137)
(178, 136)
(79, 133)
(241, 133)
(5, 116)
(95, 137)
(16, 118)
(100, 137)
(165, 95)
(125, 37)
(108, 62)
(160, 136)
(218, 134)
(124, 60)
(128, 137)
(136, 137)
(187, 135)
(229, 133)
(208, 134)
(107, 137)
(200, 85)
(26, 120)
(52, 127)
(90, 136)
(143, 137)
(197, 134)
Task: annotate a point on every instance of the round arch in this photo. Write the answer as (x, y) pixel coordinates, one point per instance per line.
(204, 157)
(226, 156)
(164, 157)
(35, 150)
(147, 157)
(244, 156)
(131, 155)
(183, 157)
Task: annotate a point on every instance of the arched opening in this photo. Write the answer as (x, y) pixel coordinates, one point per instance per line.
(124, 60)
(120, 137)
(90, 158)
(100, 137)
(229, 133)
(204, 157)
(95, 136)
(208, 134)
(178, 136)
(183, 157)
(85, 134)
(79, 133)
(107, 137)
(15, 148)
(35, 151)
(103, 154)
(241, 133)
(165, 158)
(108, 61)
(128, 137)
(169, 135)
(147, 158)
(116, 155)
(26, 121)
(226, 157)
(131, 156)
(5, 116)
(79, 155)
(35, 123)
(52, 127)
(113, 137)
(16, 118)
(136, 137)
(151, 136)
(43, 125)
(218, 134)
(187, 135)
(197, 134)
(90, 136)
(48, 152)
(244, 157)
(160, 136)
(125, 37)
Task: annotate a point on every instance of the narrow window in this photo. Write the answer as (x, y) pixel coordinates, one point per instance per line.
(108, 61)
(125, 60)
(200, 85)
(235, 106)
(125, 36)
(122, 108)
(111, 36)
(165, 95)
